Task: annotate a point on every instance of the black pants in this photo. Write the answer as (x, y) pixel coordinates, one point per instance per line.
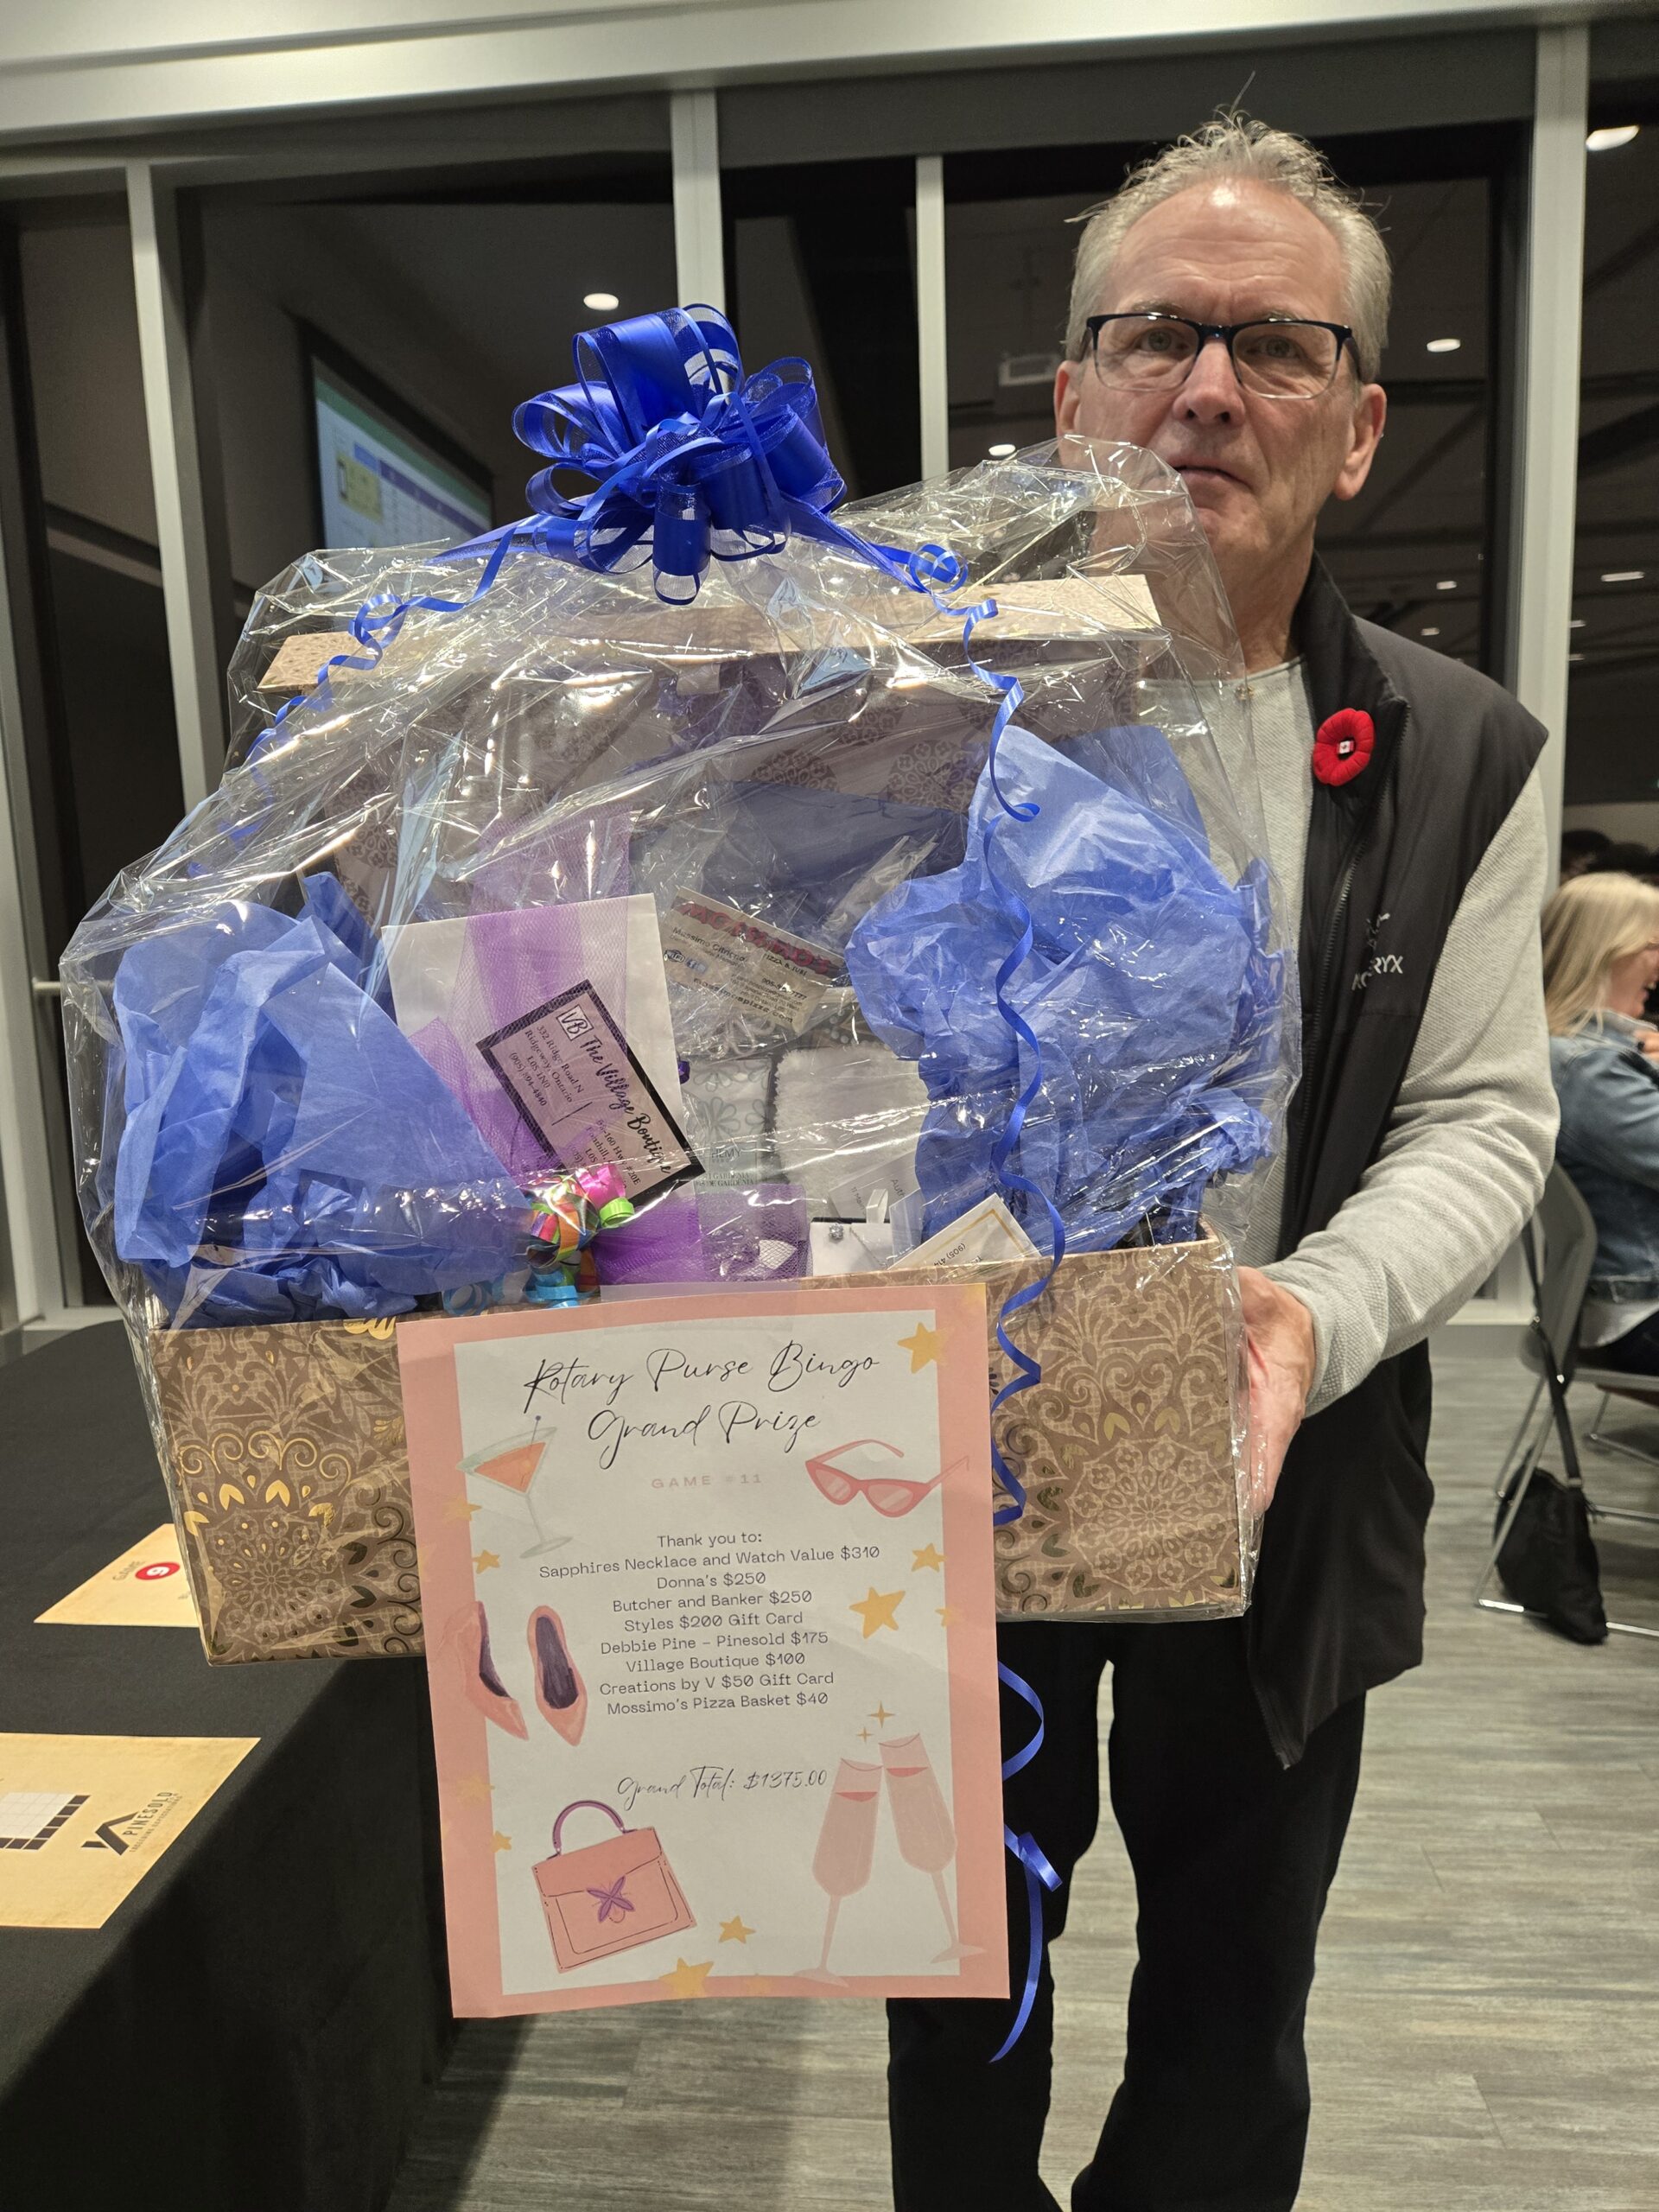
(1233, 1856)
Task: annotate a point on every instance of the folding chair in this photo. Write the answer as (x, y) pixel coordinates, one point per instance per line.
(1568, 1233)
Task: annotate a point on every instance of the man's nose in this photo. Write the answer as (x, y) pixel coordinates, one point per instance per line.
(1211, 393)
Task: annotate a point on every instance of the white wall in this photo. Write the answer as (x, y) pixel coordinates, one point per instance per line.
(269, 266)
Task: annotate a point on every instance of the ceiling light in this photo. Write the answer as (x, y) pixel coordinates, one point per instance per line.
(1446, 583)
(603, 301)
(1577, 623)
(1615, 134)
(1575, 656)
(999, 453)
(1622, 575)
(1444, 345)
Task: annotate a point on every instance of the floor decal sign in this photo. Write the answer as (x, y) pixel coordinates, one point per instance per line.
(708, 1589)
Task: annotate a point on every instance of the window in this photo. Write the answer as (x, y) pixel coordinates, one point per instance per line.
(1612, 757)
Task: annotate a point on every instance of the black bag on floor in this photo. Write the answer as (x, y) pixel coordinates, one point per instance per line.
(1548, 1561)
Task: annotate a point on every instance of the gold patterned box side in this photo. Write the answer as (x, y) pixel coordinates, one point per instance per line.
(286, 1459)
(1126, 1447)
(284, 1452)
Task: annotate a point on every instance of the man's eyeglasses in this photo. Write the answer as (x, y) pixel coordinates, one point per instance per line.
(1280, 357)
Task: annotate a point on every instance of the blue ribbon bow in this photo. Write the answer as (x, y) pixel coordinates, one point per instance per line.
(684, 451)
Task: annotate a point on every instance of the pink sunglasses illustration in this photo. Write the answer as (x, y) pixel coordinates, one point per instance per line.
(892, 1496)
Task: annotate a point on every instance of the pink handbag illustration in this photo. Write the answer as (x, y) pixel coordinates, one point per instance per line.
(607, 1896)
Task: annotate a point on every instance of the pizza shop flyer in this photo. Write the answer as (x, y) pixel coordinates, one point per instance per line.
(707, 1590)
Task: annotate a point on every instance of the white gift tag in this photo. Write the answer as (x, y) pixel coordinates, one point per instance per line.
(987, 1231)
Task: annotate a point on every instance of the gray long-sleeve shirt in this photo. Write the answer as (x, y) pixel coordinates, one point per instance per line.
(1473, 1129)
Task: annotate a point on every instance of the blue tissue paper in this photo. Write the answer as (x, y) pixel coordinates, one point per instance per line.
(287, 1154)
(1150, 988)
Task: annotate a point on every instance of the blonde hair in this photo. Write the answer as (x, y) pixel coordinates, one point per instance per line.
(1235, 145)
(1590, 922)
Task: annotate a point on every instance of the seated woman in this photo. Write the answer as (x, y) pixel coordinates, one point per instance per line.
(1601, 959)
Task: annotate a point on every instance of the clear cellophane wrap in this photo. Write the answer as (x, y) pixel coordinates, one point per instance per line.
(321, 1044)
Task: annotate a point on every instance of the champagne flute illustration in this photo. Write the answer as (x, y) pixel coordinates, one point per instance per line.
(514, 1462)
(846, 1846)
(921, 1820)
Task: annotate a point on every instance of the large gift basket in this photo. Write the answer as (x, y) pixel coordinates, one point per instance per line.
(693, 885)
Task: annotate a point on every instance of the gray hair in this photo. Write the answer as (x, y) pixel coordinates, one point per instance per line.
(1235, 145)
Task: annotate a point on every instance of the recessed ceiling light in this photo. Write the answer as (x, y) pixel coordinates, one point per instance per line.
(604, 302)
(999, 453)
(1622, 575)
(1615, 134)
(1446, 583)
(1429, 630)
(1444, 345)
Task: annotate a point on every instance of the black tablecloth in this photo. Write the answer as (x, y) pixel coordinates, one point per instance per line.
(255, 2025)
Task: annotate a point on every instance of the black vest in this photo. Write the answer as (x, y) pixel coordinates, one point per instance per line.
(1339, 1603)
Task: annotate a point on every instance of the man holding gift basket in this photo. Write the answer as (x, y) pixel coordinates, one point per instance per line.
(693, 888)
(1227, 314)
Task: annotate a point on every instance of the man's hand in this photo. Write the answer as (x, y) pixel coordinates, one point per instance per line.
(1648, 1041)
(1282, 1355)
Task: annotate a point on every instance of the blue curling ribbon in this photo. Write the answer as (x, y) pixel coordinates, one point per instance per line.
(1040, 1874)
(374, 625)
(1029, 1372)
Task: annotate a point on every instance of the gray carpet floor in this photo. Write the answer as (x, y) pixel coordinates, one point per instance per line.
(1483, 2034)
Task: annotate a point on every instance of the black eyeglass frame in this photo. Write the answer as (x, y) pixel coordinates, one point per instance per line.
(1226, 333)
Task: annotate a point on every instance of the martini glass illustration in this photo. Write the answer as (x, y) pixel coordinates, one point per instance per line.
(921, 1820)
(846, 1845)
(514, 1462)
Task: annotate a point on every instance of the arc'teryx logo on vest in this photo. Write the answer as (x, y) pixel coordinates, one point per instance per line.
(1378, 962)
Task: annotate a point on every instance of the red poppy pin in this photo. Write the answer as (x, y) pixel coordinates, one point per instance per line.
(1344, 745)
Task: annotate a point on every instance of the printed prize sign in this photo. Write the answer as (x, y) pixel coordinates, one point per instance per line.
(707, 1590)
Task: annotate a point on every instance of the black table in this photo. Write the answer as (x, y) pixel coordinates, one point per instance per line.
(256, 2024)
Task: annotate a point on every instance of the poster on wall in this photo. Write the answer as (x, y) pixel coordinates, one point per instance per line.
(711, 1644)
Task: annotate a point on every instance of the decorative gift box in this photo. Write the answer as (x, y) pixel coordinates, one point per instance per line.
(1131, 1448)
(283, 1449)
(284, 1457)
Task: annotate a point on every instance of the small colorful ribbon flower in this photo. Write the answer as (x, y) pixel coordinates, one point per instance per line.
(1343, 746)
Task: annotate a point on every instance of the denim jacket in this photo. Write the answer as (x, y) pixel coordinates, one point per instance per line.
(1608, 1145)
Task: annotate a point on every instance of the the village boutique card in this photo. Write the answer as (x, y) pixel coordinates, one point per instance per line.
(708, 1589)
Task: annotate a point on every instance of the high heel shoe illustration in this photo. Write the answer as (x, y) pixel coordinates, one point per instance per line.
(560, 1691)
(468, 1633)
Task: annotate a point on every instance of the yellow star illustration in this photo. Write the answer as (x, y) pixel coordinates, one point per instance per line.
(461, 1508)
(880, 1716)
(483, 1562)
(734, 1931)
(863, 1735)
(499, 1842)
(877, 1609)
(929, 1555)
(686, 1981)
(948, 1614)
(924, 1347)
(759, 1986)
(473, 1790)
